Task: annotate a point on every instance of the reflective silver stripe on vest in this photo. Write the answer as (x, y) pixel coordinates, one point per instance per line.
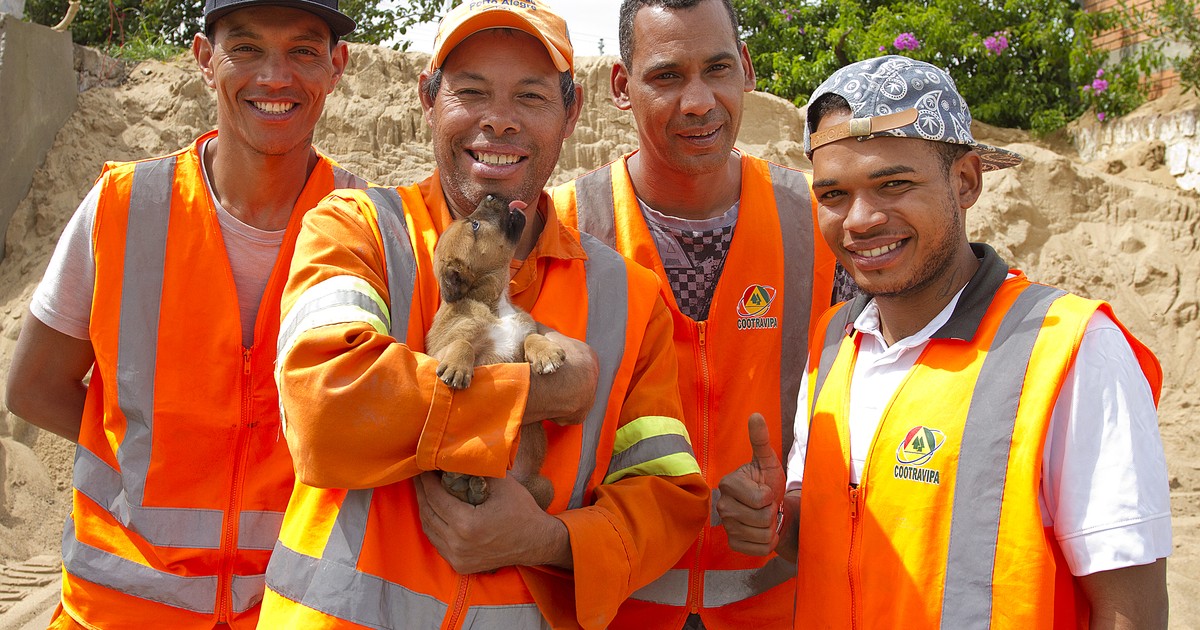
(607, 318)
(594, 205)
(197, 593)
(345, 179)
(793, 205)
(983, 461)
(398, 255)
(720, 587)
(834, 333)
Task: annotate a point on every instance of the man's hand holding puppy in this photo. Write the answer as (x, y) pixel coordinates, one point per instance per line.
(565, 396)
(509, 529)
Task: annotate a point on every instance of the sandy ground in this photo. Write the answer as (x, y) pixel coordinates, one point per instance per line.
(1117, 229)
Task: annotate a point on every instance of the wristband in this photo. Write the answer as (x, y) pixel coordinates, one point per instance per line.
(779, 520)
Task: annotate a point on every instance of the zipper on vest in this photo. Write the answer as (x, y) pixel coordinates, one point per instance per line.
(229, 545)
(852, 574)
(696, 586)
(460, 602)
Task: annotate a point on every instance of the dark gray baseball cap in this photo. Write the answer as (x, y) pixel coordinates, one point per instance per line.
(897, 96)
(340, 23)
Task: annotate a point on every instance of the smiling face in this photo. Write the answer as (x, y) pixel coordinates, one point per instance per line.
(893, 212)
(498, 119)
(272, 68)
(685, 83)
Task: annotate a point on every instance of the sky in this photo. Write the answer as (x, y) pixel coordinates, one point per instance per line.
(589, 21)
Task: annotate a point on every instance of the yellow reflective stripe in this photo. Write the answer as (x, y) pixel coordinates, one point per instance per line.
(673, 465)
(336, 300)
(645, 427)
(652, 445)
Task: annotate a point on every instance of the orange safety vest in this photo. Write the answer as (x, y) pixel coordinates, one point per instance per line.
(944, 529)
(747, 356)
(359, 558)
(181, 473)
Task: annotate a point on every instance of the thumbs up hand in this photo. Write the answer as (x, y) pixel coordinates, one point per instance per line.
(751, 496)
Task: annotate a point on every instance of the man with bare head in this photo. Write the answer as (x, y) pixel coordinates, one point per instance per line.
(733, 241)
(166, 285)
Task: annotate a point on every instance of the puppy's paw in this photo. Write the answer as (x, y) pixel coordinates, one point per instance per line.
(467, 488)
(544, 355)
(455, 376)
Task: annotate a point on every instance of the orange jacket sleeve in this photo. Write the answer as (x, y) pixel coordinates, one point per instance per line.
(363, 409)
(637, 527)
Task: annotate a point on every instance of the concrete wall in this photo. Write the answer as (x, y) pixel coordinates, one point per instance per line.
(37, 94)
(13, 7)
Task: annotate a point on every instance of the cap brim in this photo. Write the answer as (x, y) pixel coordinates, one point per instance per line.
(339, 23)
(995, 158)
(495, 18)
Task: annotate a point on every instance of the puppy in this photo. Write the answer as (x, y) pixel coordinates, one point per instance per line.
(476, 324)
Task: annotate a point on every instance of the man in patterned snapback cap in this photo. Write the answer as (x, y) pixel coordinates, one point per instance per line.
(976, 449)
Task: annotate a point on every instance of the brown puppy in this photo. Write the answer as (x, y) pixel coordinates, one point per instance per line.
(477, 325)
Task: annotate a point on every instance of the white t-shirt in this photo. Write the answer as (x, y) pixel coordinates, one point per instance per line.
(1104, 474)
(63, 300)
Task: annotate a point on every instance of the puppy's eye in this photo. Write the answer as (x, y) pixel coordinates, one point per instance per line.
(474, 225)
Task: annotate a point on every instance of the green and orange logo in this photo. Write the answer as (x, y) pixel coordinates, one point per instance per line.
(756, 300)
(919, 446)
(754, 305)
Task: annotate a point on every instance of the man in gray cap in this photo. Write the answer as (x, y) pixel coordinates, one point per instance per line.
(165, 286)
(976, 450)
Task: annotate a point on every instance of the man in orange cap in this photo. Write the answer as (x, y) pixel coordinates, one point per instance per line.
(370, 538)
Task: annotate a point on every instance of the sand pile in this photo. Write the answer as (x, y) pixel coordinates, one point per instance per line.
(1117, 229)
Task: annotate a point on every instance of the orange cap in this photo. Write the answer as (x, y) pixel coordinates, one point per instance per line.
(530, 16)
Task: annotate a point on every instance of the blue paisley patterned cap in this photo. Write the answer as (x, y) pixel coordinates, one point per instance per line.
(898, 96)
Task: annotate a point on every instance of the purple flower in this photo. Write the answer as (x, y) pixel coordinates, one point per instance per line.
(1099, 85)
(1100, 116)
(906, 41)
(996, 43)
(882, 48)
(1099, 72)
(787, 14)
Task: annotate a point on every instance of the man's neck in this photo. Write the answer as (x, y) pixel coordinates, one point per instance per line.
(901, 317)
(684, 195)
(260, 190)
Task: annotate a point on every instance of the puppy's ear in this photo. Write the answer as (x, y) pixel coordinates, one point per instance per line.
(453, 285)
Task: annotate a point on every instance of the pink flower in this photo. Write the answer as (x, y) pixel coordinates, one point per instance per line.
(1099, 85)
(906, 41)
(1100, 116)
(996, 43)
(1099, 72)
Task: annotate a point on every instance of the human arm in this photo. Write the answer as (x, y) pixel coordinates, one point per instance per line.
(1104, 481)
(45, 384)
(757, 515)
(1130, 598)
(363, 409)
(45, 381)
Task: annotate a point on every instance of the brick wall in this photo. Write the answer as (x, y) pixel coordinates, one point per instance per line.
(1122, 38)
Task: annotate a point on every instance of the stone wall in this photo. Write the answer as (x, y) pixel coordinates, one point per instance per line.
(1175, 127)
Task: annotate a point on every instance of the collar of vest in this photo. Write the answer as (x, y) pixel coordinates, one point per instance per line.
(972, 305)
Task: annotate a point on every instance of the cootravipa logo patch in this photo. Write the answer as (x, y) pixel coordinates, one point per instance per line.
(915, 451)
(752, 309)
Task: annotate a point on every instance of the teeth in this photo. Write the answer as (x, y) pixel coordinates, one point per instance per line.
(879, 251)
(496, 158)
(273, 108)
